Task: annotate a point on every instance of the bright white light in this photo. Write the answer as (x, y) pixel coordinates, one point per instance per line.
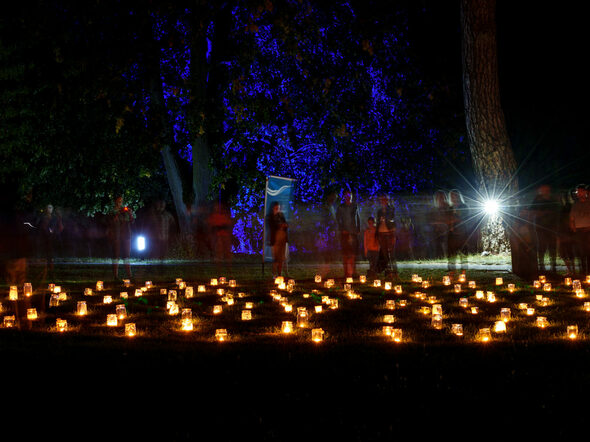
(491, 207)
(141, 243)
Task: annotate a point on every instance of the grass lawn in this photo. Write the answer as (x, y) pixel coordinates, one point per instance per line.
(357, 384)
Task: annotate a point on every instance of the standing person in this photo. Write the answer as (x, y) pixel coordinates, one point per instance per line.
(220, 226)
(580, 225)
(545, 216)
(440, 224)
(326, 240)
(565, 236)
(50, 225)
(458, 233)
(371, 246)
(349, 226)
(386, 236)
(161, 223)
(278, 229)
(119, 221)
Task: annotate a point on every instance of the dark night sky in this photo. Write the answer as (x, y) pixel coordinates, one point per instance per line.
(541, 57)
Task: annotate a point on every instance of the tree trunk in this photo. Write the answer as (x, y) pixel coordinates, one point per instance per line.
(493, 158)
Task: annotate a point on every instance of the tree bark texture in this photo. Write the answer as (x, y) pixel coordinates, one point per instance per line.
(492, 154)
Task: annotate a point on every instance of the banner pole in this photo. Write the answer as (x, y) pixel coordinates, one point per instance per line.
(264, 224)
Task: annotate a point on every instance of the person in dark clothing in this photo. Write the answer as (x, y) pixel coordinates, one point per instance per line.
(50, 226)
(545, 217)
(385, 231)
(440, 224)
(565, 236)
(278, 229)
(120, 219)
(580, 225)
(458, 231)
(349, 226)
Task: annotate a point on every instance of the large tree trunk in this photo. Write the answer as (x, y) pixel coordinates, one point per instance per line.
(492, 154)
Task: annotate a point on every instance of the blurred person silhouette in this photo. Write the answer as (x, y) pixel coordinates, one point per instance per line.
(440, 223)
(50, 225)
(386, 236)
(160, 225)
(580, 225)
(544, 212)
(221, 227)
(371, 247)
(327, 227)
(119, 219)
(457, 234)
(348, 220)
(565, 235)
(278, 237)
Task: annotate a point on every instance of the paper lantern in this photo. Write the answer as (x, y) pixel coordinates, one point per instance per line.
(287, 327)
(213, 282)
(50, 287)
(499, 281)
(173, 308)
(87, 291)
(127, 282)
(425, 284)
(28, 289)
(547, 287)
(249, 305)
(177, 281)
(437, 309)
(99, 286)
(222, 280)
(457, 329)
(523, 306)
(217, 309)
(499, 327)
(81, 308)
(457, 288)
(396, 335)
(201, 288)
(188, 292)
(279, 280)
(415, 278)
(172, 295)
(246, 315)
(57, 289)
(31, 314)
(317, 335)
(13, 293)
(511, 288)
(389, 319)
(541, 322)
(148, 284)
(181, 285)
(317, 309)
(398, 289)
(362, 279)
(463, 302)
(567, 281)
(9, 321)
(474, 310)
(425, 310)
(542, 279)
(130, 329)
(220, 291)
(221, 334)
(505, 314)
(390, 304)
(446, 280)
(471, 284)
(138, 293)
(124, 295)
(333, 304)
(484, 335)
(377, 283)
(402, 303)
(62, 296)
(572, 331)
(387, 285)
(54, 300)
(318, 279)
(112, 320)
(576, 284)
(107, 299)
(462, 278)
(587, 306)
(61, 325)
(121, 311)
(537, 284)
(347, 287)
(302, 317)
(349, 280)
(491, 296)
(436, 322)
(187, 319)
(479, 294)
(530, 311)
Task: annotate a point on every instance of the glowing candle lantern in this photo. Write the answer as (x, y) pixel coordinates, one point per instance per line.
(220, 292)
(213, 282)
(148, 284)
(127, 282)
(201, 288)
(318, 308)
(187, 319)
(181, 285)
(474, 310)
(541, 322)
(580, 293)
(576, 284)
(499, 281)
(50, 287)
(1, 308)
(377, 283)
(462, 277)
(221, 334)
(57, 289)
(172, 295)
(425, 284)
(107, 299)
(499, 327)
(349, 280)
(112, 320)
(457, 288)
(9, 321)
(347, 287)
(279, 280)
(302, 317)
(163, 291)
(484, 335)
(87, 291)
(362, 279)
(222, 280)
(124, 295)
(246, 315)
(31, 314)
(13, 293)
(62, 296)
(437, 309)
(530, 311)
(318, 279)
(330, 283)
(491, 296)
(587, 306)
(523, 306)
(317, 335)
(402, 303)
(542, 278)
(537, 284)
(446, 280)
(288, 308)
(463, 302)
(457, 329)
(511, 287)
(547, 287)
(99, 286)
(54, 300)
(28, 289)
(471, 284)
(572, 331)
(479, 294)
(81, 308)
(282, 286)
(61, 325)
(389, 319)
(249, 305)
(387, 285)
(425, 310)
(121, 311)
(232, 283)
(174, 309)
(333, 304)
(287, 327)
(567, 281)
(390, 304)
(217, 309)
(387, 330)
(138, 293)
(397, 335)
(415, 278)
(505, 314)
(130, 329)
(587, 279)
(398, 289)
(178, 281)
(436, 322)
